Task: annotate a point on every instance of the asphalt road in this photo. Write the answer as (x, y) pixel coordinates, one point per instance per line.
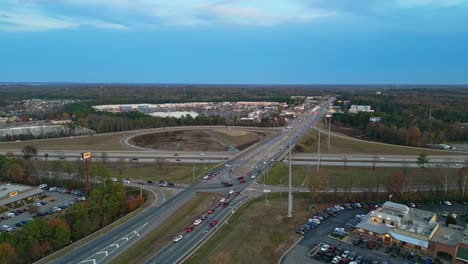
(256, 158)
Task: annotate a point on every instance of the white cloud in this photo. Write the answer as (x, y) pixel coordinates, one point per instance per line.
(26, 20)
(28, 17)
(205, 12)
(429, 3)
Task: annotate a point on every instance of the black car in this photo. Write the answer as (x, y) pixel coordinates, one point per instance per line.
(357, 241)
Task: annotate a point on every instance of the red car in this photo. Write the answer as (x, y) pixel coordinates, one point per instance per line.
(189, 229)
(213, 223)
(225, 204)
(242, 181)
(210, 211)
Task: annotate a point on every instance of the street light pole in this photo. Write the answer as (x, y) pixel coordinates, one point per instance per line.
(289, 189)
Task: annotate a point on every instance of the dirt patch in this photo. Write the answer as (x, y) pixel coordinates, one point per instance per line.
(197, 140)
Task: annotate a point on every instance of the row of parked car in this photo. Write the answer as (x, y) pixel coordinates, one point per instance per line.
(336, 254)
(67, 191)
(316, 219)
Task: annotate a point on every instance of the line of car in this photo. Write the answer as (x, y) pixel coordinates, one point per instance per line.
(223, 202)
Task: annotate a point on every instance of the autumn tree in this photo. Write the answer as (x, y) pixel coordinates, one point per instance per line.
(7, 253)
(395, 184)
(131, 202)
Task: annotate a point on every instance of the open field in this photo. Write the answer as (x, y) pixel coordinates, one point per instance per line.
(181, 173)
(196, 140)
(163, 235)
(256, 233)
(98, 142)
(341, 144)
(342, 177)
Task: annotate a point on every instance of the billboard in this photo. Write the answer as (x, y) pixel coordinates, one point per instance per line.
(375, 119)
(86, 155)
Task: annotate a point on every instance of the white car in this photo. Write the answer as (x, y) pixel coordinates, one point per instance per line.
(56, 209)
(231, 191)
(358, 205)
(345, 254)
(177, 238)
(325, 247)
(7, 228)
(222, 200)
(336, 259)
(253, 177)
(447, 203)
(197, 222)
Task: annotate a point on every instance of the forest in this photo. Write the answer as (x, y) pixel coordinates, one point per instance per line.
(413, 117)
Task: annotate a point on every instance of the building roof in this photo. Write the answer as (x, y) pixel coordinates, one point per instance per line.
(396, 207)
(410, 240)
(22, 192)
(375, 227)
(447, 236)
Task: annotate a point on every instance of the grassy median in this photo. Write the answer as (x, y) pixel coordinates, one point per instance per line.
(161, 236)
(258, 232)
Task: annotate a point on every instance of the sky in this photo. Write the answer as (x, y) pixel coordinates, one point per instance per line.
(235, 41)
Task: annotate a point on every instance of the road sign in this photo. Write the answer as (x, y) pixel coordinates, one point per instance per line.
(86, 155)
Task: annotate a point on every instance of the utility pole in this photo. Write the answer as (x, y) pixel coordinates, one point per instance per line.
(318, 152)
(329, 127)
(289, 189)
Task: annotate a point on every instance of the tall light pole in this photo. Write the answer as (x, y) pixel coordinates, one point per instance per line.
(289, 189)
(86, 156)
(329, 126)
(318, 152)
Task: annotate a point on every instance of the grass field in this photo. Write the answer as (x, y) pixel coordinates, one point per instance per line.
(341, 144)
(181, 173)
(89, 143)
(163, 235)
(256, 233)
(357, 176)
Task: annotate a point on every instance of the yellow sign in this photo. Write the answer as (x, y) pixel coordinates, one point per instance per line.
(86, 155)
(13, 193)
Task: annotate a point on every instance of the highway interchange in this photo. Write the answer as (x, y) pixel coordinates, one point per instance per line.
(256, 159)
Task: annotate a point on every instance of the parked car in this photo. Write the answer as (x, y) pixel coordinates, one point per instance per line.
(7, 228)
(447, 203)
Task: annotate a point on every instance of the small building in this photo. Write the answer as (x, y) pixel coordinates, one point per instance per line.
(360, 108)
(15, 193)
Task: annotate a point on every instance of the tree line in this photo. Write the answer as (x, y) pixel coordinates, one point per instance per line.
(107, 202)
(409, 117)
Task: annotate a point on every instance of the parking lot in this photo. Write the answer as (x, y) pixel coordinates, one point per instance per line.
(47, 206)
(321, 237)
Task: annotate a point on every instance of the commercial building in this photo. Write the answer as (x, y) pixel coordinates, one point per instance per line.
(15, 193)
(360, 108)
(416, 229)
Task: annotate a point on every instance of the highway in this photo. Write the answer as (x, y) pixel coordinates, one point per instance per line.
(256, 158)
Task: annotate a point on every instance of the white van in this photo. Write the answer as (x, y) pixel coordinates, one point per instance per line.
(10, 214)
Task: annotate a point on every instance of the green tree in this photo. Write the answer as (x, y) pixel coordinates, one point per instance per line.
(422, 162)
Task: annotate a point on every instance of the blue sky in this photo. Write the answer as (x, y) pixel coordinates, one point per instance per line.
(235, 41)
